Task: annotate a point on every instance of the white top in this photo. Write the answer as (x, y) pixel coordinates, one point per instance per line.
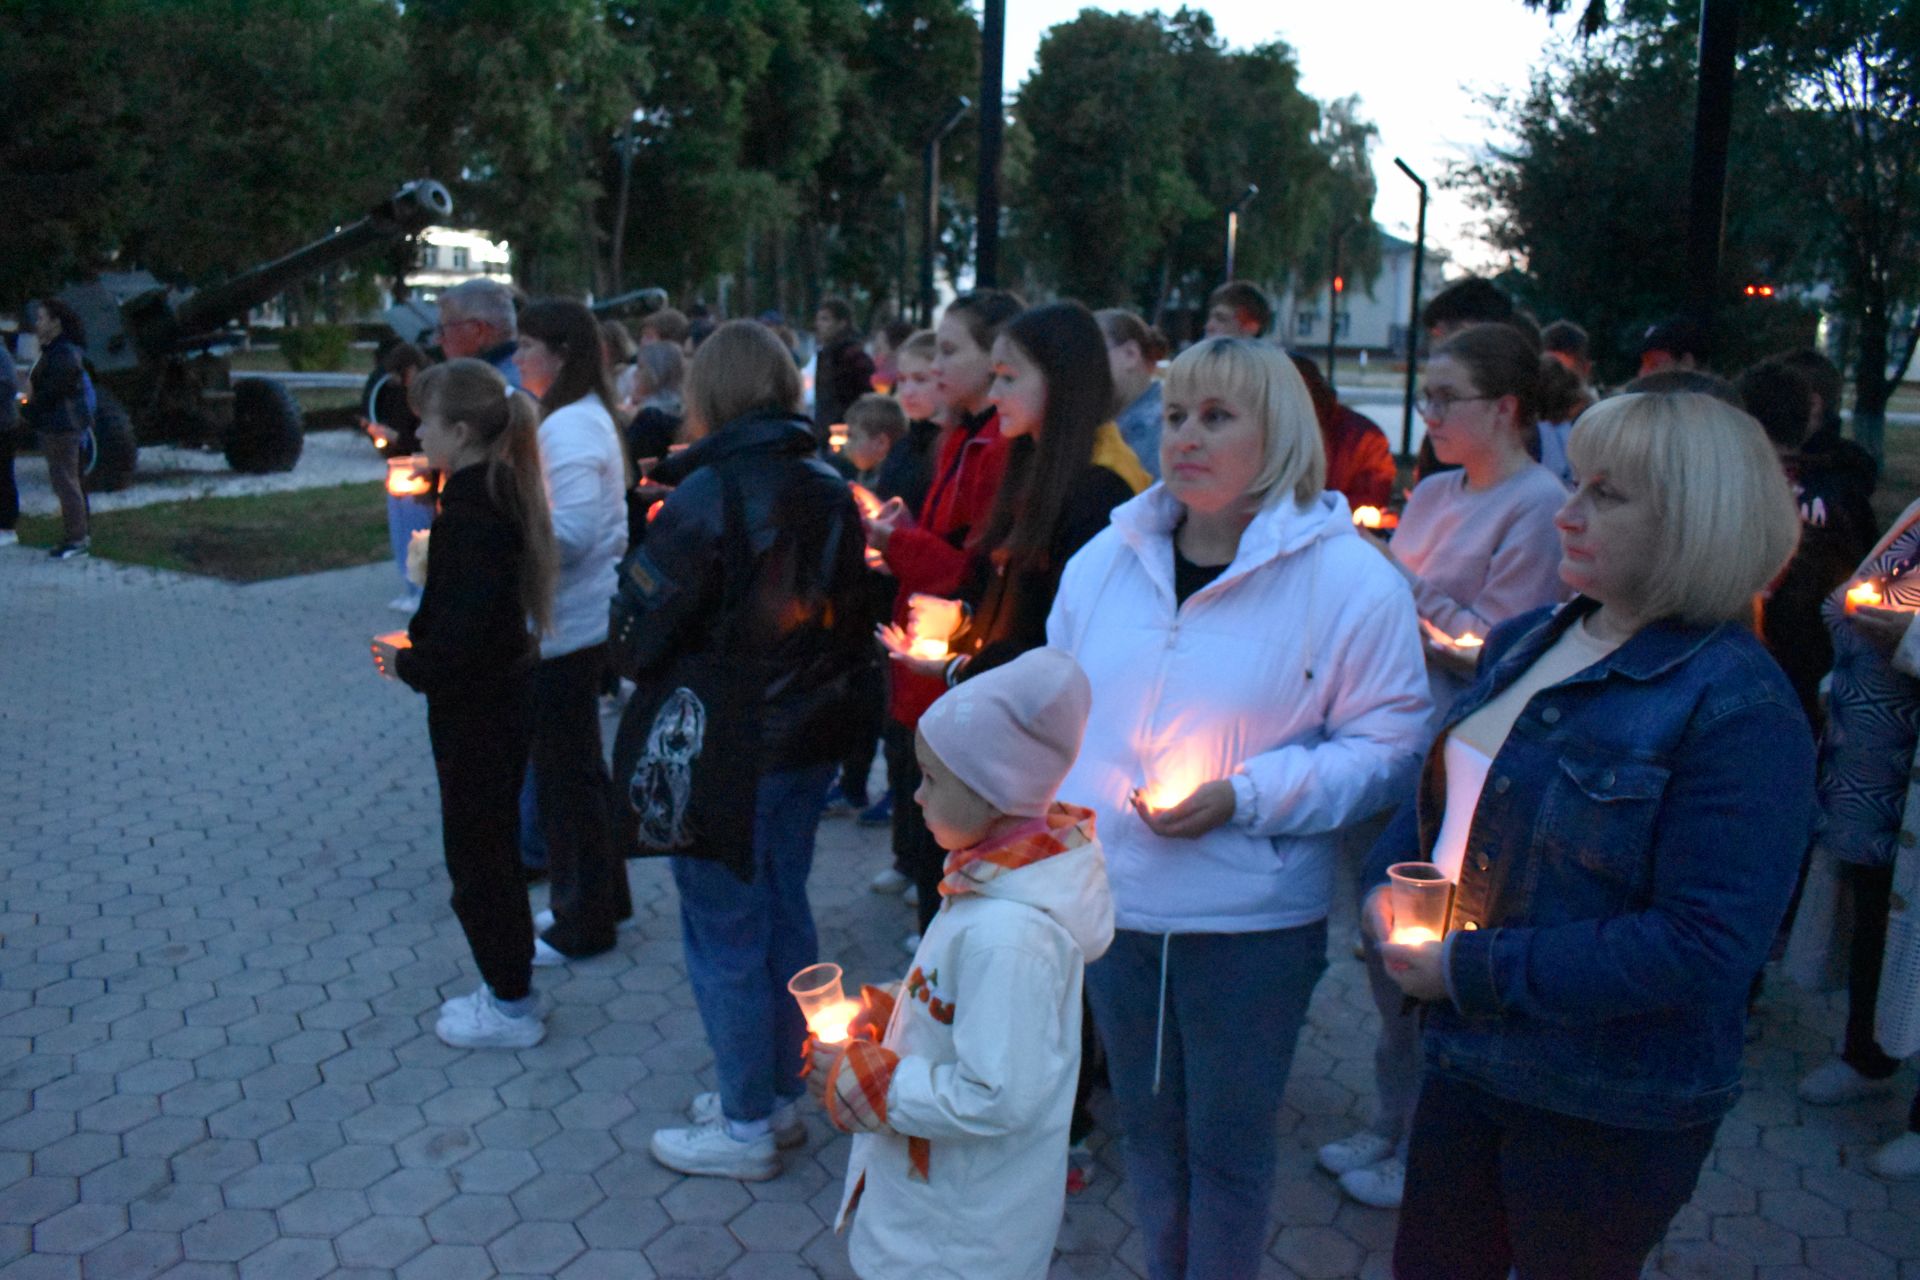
(1475, 741)
(586, 488)
(1297, 674)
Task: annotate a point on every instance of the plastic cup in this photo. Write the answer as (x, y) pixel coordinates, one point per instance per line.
(1421, 895)
(822, 1001)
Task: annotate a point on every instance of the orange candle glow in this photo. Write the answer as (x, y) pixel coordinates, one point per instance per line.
(403, 482)
(1468, 641)
(1413, 935)
(830, 1025)
(865, 499)
(1367, 517)
(654, 510)
(1867, 593)
(837, 436)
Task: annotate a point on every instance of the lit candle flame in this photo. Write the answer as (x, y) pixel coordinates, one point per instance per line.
(1866, 593)
(837, 436)
(865, 499)
(925, 648)
(1413, 935)
(654, 509)
(403, 484)
(1468, 641)
(830, 1025)
(1367, 517)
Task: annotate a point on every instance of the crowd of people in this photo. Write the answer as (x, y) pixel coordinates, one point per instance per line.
(1146, 642)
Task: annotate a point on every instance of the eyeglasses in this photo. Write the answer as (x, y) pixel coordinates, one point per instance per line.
(1438, 404)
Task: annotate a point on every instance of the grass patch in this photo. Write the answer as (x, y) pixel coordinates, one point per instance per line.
(245, 539)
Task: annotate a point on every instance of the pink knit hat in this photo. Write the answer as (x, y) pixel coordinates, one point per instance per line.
(1012, 733)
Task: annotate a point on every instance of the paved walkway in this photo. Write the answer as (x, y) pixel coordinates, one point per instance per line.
(224, 931)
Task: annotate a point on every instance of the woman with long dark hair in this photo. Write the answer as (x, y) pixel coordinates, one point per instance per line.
(1067, 469)
(563, 365)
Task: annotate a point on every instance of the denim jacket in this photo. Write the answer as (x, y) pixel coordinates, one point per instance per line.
(1628, 863)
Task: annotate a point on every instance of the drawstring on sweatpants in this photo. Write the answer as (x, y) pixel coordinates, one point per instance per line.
(1160, 1024)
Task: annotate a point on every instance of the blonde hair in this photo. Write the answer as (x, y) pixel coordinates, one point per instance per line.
(743, 368)
(506, 423)
(1728, 522)
(1260, 379)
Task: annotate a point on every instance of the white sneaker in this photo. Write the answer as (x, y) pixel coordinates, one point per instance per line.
(9, 538)
(789, 1130)
(545, 956)
(912, 896)
(888, 881)
(1834, 1082)
(712, 1150)
(910, 944)
(1355, 1152)
(1380, 1185)
(1899, 1159)
(478, 1022)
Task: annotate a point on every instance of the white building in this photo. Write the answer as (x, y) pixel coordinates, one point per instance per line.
(451, 256)
(1371, 318)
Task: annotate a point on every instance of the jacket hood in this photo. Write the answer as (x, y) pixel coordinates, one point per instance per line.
(1068, 882)
(756, 433)
(1280, 529)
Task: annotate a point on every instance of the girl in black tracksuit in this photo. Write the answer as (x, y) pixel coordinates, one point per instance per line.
(471, 649)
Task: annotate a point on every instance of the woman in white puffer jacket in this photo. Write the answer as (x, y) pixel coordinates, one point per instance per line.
(1257, 684)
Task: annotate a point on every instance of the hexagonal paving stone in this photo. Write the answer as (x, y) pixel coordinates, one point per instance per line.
(229, 1235)
(693, 1249)
(412, 1192)
(382, 1242)
(540, 1248)
(449, 1262)
(495, 1172)
(79, 1229)
(137, 1255)
(354, 1166)
(557, 1197)
(175, 1206)
(324, 1211)
(777, 1228)
(290, 1258)
(267, 1186)
(472, 1219)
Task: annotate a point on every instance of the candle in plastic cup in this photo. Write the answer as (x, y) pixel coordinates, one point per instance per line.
(828, 1011)
(1420, 895)
(401, 480)
(1367, 517)
(1867, 593)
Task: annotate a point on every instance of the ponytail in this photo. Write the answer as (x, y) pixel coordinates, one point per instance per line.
(506, 424)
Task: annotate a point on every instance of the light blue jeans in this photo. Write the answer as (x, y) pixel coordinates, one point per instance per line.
(743, 941)
(1201, 1153)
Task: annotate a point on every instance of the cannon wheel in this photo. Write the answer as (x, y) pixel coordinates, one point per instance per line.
(115, 454)
(266, 434)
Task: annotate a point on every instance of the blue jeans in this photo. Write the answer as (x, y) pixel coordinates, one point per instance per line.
(743, 941)
(1201, 1153)
(405, 517)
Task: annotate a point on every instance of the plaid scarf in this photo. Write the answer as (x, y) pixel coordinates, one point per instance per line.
(968, 870)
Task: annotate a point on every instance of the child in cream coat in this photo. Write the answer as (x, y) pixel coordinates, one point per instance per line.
(961, 1105)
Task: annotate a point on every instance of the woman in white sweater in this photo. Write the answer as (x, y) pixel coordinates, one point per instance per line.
(561, 364)
(1258, 684)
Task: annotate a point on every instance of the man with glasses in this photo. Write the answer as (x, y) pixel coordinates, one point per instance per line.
(477, 319)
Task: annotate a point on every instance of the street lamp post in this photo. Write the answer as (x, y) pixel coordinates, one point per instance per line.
(993, 122)
(930, 206)
(1333, 301)
(1233, 224)
(1413, 309)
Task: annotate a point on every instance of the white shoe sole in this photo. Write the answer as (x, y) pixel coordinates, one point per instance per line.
(742, 1171)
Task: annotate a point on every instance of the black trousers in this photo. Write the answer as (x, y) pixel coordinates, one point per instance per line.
(588, 878)
(903, 779)
(1495, 1187)
(480, 754)
(867, 708)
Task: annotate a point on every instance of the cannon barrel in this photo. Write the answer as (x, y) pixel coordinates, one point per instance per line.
(159, 329)
(645, 301)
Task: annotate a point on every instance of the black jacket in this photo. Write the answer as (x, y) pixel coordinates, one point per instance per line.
(470, 633)
(802, 622)
(842, 374)
(1010, 607)
(59, 402)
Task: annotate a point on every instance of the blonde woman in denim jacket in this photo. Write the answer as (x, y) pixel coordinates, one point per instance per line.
(1622, 801)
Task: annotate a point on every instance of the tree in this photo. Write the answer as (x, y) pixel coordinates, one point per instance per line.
(1104, 107)
(519, 103)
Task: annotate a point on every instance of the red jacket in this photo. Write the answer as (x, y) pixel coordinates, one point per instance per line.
(930, 557)
(1359, 460)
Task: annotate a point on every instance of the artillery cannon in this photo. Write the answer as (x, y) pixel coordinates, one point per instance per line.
(155, 352)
